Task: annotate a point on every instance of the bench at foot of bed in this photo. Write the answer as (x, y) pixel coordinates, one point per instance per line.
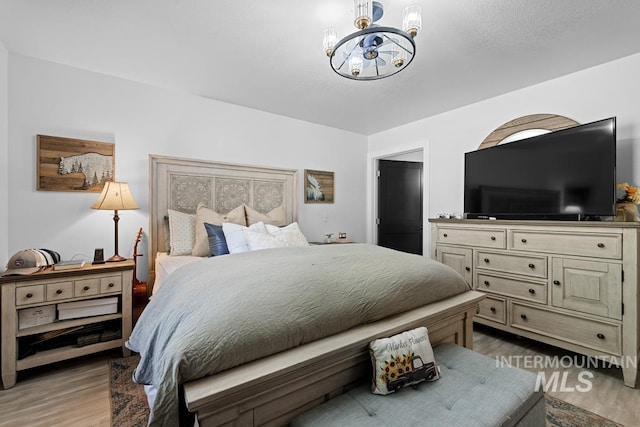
(473, 390)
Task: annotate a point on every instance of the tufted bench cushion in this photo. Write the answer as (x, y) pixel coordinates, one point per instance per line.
(473, 391)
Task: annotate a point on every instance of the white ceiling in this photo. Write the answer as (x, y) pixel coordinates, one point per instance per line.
(268, 54)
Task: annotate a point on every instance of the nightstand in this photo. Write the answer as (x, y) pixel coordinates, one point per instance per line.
(41, 292)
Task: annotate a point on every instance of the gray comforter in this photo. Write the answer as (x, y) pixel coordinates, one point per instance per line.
(228, 310)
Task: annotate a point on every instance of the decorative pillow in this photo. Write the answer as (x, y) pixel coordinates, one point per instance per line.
(274, 217)
(181, 232)
(401, 360)
(288, 238)
(204, 214)
(235, 235)
(272, 229)
(217, 242)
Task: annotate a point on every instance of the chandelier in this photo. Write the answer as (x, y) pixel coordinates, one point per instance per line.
(373, 52)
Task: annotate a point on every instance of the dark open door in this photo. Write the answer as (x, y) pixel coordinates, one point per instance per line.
(400, 205)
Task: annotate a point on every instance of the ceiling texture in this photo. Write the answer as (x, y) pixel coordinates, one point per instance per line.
(268, 55)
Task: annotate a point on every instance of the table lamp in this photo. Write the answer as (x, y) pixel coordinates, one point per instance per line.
(115, 196)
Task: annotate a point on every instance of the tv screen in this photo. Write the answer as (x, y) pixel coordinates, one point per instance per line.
(568, 174)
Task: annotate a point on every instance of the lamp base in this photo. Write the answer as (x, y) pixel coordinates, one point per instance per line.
(116, 258)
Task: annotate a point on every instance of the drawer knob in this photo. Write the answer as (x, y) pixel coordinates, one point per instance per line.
(493, 309)
(600, 336)
(486, 260)
(59, 291)
(532, 291)
(493, 238)
(86, 288)
(523, 240)
(444, 235)
(29, 295)
(532, 266)
(523, 316)
(468, 268)
(556, 282)
(111, 285)
(601, 245)
(486, 282)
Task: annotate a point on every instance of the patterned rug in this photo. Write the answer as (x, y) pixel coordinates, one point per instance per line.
(129, 403)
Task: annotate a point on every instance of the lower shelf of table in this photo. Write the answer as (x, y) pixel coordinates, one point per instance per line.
(63, 353)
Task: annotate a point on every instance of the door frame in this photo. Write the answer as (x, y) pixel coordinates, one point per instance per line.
(372, 189)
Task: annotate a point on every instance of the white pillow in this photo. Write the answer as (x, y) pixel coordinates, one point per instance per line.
(181, 232)
(272, 229)
(235, 235)
(204, 214)
(286, 238)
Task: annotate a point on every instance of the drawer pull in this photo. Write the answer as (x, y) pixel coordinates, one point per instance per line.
(444, 235)
(493, 309)
(532, 291)
(601, 245)
(556, 282)
(486, 282)
(29, 295)
(600, 336)
(486, 260)
(493, 238)
(111, 285)
(524, 240)
(468, 268)
(59, 291)
(523, 316)
(86, 288)
(532, 266)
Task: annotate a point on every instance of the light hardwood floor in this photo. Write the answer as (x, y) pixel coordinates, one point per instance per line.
(76, 393)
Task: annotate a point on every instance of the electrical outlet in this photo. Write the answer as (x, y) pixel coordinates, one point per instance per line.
(325, 217)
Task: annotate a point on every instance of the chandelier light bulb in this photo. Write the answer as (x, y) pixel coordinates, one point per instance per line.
(329, 40)
(363, 13)
(399, 56)
(355, 65)
(412, 19)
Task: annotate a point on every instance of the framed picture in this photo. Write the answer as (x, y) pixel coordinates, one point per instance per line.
(66, 164)
(318, 186)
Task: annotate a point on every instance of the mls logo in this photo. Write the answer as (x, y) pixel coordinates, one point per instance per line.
(556, 382)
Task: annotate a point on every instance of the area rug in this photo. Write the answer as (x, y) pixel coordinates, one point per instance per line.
(129, 403)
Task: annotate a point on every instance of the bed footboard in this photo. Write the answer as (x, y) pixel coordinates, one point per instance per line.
(273, 390)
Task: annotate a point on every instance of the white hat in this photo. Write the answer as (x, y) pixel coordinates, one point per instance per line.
(26, 262)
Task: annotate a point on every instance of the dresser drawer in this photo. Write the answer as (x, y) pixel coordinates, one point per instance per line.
(493, 309)
(600, 245)
(589, 333)
(531, 291)
(60, 290)
(29, 294)
(473, 237)
(86, 287)
(528, 265)
(110, 284)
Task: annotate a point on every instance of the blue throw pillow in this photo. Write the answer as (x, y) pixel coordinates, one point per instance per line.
(217, 241)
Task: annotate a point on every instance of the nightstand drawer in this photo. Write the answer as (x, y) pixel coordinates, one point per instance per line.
(29, 294)
(110, 284)
(86, 287)
(60, 290)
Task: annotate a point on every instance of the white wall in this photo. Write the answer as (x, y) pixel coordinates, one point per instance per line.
(52, 99)
(611, 89)
(4, 154)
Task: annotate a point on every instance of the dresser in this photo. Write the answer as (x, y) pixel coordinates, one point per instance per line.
(28, 302)
(570, 284)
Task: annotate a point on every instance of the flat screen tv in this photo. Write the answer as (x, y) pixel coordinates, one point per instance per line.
(568, 174)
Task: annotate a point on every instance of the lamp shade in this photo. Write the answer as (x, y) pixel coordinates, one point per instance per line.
(115, 196)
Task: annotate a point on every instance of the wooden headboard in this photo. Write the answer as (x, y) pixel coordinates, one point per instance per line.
(181, 184)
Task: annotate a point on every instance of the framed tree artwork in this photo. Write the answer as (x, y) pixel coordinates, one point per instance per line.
(318, 186)
(66, 164)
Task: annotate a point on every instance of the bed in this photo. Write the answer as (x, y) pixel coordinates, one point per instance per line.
(268, 383)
